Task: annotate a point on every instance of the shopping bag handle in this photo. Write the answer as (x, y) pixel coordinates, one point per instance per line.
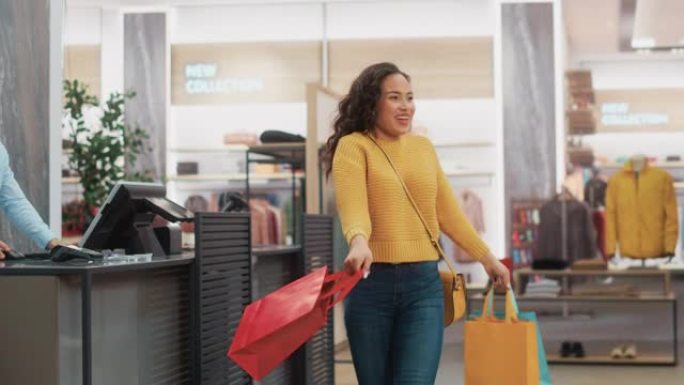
(511, 306)
(342, 283)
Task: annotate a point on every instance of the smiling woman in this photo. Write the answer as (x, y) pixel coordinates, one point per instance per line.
(394, 318)
(357, 110)
(395, 107)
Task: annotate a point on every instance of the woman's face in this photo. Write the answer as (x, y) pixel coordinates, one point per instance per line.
(395, 109)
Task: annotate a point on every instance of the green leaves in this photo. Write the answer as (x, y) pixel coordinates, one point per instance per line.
(101, 151)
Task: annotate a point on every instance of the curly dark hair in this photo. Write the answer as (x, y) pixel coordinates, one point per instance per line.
(356, 111)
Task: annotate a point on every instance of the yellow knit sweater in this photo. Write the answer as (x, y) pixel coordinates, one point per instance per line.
(371, 201)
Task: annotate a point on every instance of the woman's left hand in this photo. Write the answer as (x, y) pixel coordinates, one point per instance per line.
(497, 272)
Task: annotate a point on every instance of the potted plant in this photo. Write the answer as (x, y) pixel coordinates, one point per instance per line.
(101, 144)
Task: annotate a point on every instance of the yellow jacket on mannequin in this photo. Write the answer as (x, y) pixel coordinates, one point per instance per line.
(641, 213)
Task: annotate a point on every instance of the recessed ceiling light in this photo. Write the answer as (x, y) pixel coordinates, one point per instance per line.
(643, 42)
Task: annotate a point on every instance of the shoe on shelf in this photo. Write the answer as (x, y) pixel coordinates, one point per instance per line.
(618, 352)
(630, 351)
(566, 349)
(578, 350)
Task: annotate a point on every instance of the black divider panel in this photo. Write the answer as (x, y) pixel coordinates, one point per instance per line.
(222, 277)
(166, 337)
(275, 267)
(318, 252)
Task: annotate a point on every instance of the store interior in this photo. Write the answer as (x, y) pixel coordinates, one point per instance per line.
(535, 109)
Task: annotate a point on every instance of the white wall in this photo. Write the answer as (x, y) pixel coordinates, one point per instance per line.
(451, 120)
(454, 120)
(344, 20)
(410, 19)
(202, 126)
(56, 68)
(240, 23)
(636, 74)
(628, 74)
(82, 26)
(112, 52)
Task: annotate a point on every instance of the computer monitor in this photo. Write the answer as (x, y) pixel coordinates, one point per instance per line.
(125, 220)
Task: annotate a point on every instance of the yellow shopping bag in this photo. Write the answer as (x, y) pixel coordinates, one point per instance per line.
(500, 352)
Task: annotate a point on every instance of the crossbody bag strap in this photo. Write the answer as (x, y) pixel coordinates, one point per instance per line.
(441, 253)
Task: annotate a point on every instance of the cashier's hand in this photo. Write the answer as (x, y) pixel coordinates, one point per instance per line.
(3, 247)
(359, 257)
(53, 243)
(497, 272)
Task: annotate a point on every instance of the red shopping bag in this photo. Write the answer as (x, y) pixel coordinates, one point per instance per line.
(272, 328)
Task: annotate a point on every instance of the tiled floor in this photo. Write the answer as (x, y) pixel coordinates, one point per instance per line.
(451, 371)
(599, 326)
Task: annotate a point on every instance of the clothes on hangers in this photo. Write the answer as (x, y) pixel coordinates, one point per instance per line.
(580, 242)
(574, 182)
(595, 192)
(599, 219)
(641, 213)
(197, 204)
(472, 208)
(266, 223)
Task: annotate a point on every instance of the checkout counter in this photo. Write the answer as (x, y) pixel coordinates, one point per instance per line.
(104, 322)
(156, 319)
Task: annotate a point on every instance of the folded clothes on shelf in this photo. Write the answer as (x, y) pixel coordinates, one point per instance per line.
(618, 290)
(245, 138)
(590, 264)
(549, 264)
(544, 287)
(187, 168)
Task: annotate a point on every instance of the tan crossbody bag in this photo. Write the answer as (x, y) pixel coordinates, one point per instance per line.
(453, 283)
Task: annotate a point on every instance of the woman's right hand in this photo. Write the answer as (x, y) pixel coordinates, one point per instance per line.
(3, 247)
(359, 257)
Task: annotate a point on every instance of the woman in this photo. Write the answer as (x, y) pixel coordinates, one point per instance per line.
(394, 318)
(19, 210)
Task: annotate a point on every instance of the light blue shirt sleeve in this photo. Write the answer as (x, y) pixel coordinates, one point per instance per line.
(17, 208)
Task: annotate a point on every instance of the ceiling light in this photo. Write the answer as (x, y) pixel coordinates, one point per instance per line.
(643, 42)
(643, 51)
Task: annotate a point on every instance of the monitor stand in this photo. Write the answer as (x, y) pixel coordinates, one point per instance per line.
(144, 240)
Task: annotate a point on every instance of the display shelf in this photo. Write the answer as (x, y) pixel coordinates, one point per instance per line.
(279, 152)
(641, 359)
(577, 273)
(274, 250)
(469, 173)
(71, 180)
(587, 298)
(524, 231)
(569, 273)
(292, 154)
(232, 177)
(464, 144)
(654, 164)
(215, 149)
(662, 298)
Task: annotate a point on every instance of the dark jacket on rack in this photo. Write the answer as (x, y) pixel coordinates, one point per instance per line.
(595, 192)
(581, 236)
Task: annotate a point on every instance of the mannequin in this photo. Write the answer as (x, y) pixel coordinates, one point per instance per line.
(638, 162)
(641, 211)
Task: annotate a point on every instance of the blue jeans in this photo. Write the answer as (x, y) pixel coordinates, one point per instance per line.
(394, 321)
